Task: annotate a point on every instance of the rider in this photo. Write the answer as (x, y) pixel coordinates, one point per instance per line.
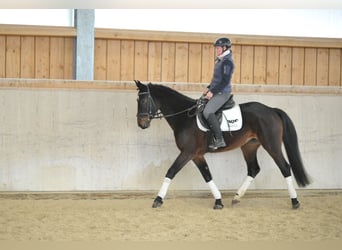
(219, 90)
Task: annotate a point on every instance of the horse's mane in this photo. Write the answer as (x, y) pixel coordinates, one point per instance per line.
(171, 93)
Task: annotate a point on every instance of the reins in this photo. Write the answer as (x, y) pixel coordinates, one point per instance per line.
(159, 114)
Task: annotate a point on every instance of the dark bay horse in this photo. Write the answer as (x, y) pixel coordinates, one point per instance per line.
(262, 125)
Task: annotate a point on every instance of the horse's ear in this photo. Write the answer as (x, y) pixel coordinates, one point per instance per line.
(139, 84)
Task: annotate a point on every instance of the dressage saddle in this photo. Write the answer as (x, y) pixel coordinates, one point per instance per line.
(201, 105)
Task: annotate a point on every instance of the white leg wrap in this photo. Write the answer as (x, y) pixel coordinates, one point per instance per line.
(290, 187)
(245, 185)
(164, 187)
(214, 190)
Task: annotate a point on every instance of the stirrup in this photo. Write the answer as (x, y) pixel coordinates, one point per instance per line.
(217, 143)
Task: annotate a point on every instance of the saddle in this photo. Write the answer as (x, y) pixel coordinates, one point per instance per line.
(229, 115)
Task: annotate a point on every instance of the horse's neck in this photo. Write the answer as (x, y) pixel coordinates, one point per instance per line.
(174, 107)
(172, 101)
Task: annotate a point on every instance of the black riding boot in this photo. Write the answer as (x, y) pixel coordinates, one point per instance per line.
(218, 141)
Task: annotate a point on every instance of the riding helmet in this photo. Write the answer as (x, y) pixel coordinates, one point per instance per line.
(223, 41)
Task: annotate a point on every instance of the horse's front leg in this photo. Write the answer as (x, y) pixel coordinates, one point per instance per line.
(249, 151)
(202, 165)
(182, 159)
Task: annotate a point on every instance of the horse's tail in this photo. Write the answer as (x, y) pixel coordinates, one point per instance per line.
(292, 149)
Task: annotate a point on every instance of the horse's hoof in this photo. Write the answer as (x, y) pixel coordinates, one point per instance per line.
(218, 207)
(157, 202)
(295, 203)
(235, 202)
(218, 204)
(296, 206)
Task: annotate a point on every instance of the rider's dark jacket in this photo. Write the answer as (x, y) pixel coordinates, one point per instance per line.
(223, 71)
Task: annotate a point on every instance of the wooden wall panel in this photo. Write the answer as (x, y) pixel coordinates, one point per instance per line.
(236, 49)
(260, 57)
(100, 59)
(322, 67)
(57, 57)
(181, 63)
(36, 57)
(297, 67)
(310, 67)
(168, 62)
(49, 52)
(247, 64)
(154, 61)
(42, 61)
(208, 55)
(334, 67)
(13, 56)
(127, 60)
(36, 51)
(27, 62)
(285, 62)
(195, 62)
(113, 60)
(69, 57)
(141, 60)
(2, 56)
(272, 65)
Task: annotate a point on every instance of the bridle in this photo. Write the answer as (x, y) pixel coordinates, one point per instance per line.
(152, 106)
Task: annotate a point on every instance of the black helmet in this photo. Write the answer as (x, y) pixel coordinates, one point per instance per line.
(223, 41)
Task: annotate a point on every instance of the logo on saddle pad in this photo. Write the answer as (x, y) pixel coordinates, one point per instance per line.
(231, 120)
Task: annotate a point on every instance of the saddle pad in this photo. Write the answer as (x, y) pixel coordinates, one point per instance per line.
(231, 120)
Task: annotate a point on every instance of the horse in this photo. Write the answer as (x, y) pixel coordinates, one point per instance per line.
(262, 126)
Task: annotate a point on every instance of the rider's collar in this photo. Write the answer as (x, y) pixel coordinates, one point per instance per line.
(227, 52)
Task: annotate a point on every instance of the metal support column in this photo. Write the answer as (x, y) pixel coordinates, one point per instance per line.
(84, 23)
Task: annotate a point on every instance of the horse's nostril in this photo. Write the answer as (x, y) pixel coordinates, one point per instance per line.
(143, 123)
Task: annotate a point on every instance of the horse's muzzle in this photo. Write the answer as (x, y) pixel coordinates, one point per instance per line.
(143, 122)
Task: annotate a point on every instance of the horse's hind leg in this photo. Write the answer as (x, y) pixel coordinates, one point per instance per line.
(204, 169)
(273, 147)
(286, 171)
(249, 151)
